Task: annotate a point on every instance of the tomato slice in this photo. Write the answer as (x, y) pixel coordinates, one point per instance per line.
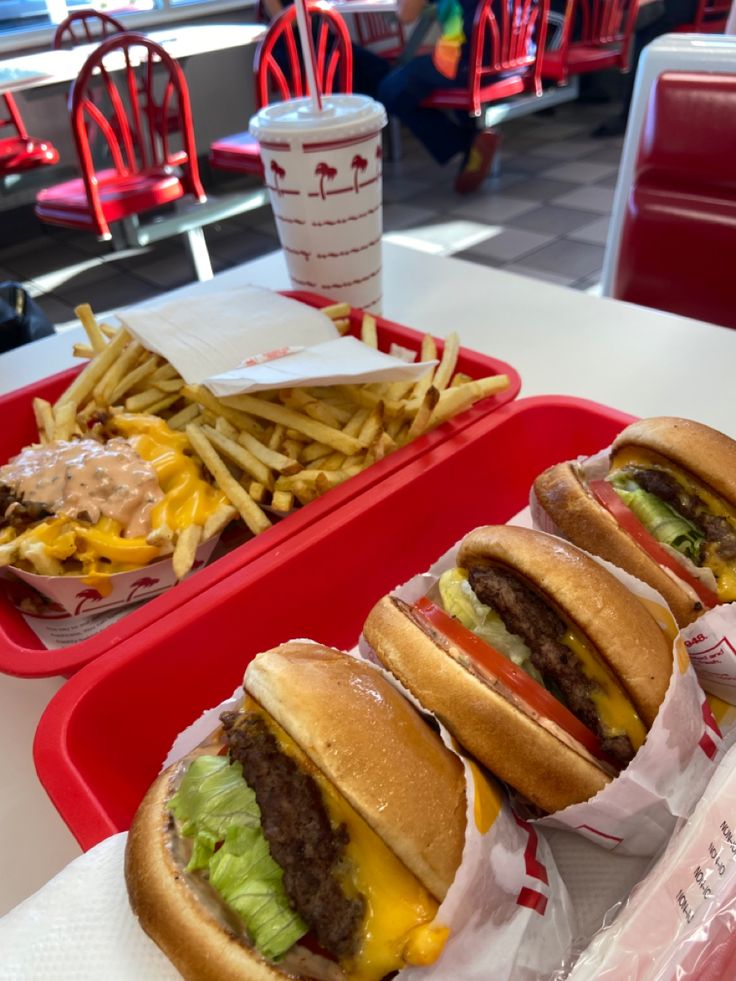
(511, 675)
(609, 499)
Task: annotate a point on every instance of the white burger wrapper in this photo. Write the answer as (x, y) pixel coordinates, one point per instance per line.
(710, 640)
(508, 909)
(637, 812)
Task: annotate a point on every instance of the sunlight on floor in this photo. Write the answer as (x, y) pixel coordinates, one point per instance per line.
(444, 238)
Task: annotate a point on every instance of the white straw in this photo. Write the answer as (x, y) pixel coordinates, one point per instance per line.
(307, 44)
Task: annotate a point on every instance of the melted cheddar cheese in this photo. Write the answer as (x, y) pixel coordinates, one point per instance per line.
(725, 572)
(618, 716)
(188, 499)
(398, 926)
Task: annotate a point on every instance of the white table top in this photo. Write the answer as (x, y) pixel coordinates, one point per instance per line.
(560, 340)
(56, 67)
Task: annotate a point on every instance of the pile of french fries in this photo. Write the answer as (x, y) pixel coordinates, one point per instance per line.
(272, 451)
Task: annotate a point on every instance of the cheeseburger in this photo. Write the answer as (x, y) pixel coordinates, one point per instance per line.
(314, 835)
(535, 657)
(665, 512)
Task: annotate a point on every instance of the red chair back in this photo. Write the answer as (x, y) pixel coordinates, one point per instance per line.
(508, 43)
(710, 17)
(13, 119)
(384, 32)
(596, 35)
(135, 95)
(279, 72)
(85, 26)
(679, 231)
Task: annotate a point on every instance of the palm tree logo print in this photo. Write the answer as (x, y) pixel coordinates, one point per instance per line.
(145, 582)
(324, 172)
(83, 595)
(278, 173)
(359, 165)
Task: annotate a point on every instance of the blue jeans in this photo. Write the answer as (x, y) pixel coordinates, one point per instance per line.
(402, 89)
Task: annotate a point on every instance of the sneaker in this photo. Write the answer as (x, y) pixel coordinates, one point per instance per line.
(478, 163)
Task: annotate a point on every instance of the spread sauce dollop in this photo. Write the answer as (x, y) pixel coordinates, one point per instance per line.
(87, 480)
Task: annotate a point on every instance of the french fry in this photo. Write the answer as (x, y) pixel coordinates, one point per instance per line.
(226, 428)
(82, 351)
(343, 326)
(185, 550)
(271, 458)
(108, 383)
(373, 426)
(65, 420)
(165, 372)
(161, 536)
(368, 333)
(314, 408)
(86, 380)
(314, 451)
(141, 401)
(257, 491)
(293, 448)
(446, 367)
(355, 424)
(108, 330)
(91, 328)
(295, 420)
(455, 400)
(240, 455)
(337, 311)
(162, 405)
(460, 379)
(251, 514)
(326, 478)
(277, 437)
(422, 418)
(241, 421)
(180, 419)
(282, 501)
(133, 378)
(169, 384)
(218, 520)
(44, 419)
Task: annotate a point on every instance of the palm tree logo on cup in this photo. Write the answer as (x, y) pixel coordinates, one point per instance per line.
(324, 172)
(359, 165)
(278, 172)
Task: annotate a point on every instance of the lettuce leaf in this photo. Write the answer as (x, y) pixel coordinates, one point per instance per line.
(216, 807)
(460, 602)
(660, 520)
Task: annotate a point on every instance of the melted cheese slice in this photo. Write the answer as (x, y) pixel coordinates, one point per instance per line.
(613, 705)
(725, 572)
(397, 929)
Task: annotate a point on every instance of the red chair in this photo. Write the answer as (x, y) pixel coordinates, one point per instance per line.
(604, 28)
(240, 153)
(85, 26)
(678, 236)
(504, 57)
(20, 152)
(382, 33)
(710, 18)
(147, 172)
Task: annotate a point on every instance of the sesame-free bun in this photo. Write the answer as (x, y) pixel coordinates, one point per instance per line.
(539, 760)
(704, 452)
(564, 496)
(373, 746)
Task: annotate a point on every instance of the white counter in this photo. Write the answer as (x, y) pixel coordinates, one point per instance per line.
(561, 341)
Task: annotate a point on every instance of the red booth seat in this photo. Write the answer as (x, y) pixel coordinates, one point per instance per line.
(679, 232)
(239, 153)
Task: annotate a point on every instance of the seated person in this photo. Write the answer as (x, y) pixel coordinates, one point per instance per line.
(402, 88)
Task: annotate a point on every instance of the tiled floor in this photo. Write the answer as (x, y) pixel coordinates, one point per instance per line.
(545, 215)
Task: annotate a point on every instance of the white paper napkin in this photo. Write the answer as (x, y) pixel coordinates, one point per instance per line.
(79, 927)
(251, 339)
(212, 333)
(345, 360)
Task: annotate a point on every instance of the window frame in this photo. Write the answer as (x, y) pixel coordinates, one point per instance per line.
(40, 38)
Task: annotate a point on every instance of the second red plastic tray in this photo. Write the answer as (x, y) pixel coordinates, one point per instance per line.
(104, 736)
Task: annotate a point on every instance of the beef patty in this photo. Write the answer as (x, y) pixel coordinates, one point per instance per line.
(527, 615)
(299, 834)
(667, 489)
(17, 513)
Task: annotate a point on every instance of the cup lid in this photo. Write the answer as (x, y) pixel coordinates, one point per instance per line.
(346, 114)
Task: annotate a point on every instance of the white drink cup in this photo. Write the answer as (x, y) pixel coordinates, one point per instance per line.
(323, 173)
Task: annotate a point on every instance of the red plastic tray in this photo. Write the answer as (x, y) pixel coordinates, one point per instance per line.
(103, 737)
(21, 652)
